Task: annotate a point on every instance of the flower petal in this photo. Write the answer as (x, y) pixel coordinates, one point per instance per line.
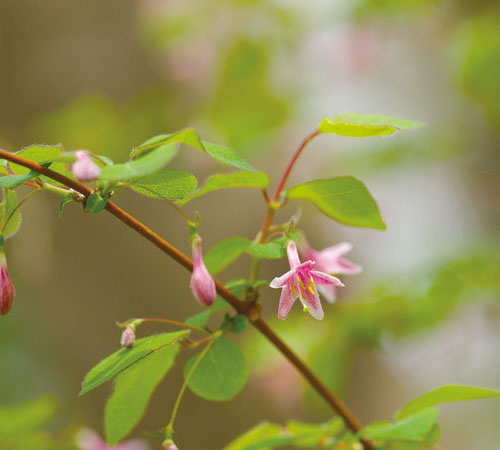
(293, 255)
(310, 299)
(286, 302)
(347, 267)
(328, 292)
(337, 250)
(279, 282)
(325, 279)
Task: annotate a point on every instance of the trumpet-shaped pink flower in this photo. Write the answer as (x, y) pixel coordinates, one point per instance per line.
(84, 169)
(300, 282)
(330, 260)
(89, 440)
(7, 291)
(202, 285)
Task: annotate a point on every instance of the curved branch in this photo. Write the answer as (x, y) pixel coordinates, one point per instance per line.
(250, 310)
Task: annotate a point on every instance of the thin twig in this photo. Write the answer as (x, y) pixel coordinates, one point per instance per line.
(250, 310)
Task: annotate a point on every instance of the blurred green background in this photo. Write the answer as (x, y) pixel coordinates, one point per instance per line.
(259, 76)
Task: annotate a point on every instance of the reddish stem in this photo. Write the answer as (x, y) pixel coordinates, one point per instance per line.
(292, 162)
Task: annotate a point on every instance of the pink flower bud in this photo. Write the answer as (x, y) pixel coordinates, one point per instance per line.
(84, 169)
(169, 444)
(128, 337)
(202, 284)
(7, 291)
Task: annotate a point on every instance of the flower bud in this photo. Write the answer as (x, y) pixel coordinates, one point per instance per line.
(84, 169)
(169, 444)
(7, 291)
(128, 337)
(202, 284)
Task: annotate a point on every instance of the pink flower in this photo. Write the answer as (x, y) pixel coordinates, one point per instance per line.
(84, 169)
(128, 337)
(7, 291)
(301, 282)
(89, 440)
(330, 260)
(169, 444)
(202, 284)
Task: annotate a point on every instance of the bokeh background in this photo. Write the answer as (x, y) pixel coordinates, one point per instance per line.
(259, 75)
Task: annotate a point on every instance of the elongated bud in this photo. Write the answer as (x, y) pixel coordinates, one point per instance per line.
(128, 337)
(84, 169)
(7, 291)
(202, 284)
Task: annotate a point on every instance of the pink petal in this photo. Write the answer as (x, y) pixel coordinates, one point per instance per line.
(279, 282)
(311, 301)
(347, 267)
(337, 250)
(293, 255)
(328, 292)
(286, 302)
(325, 279)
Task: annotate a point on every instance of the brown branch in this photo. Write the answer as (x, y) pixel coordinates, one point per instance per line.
(250, 310)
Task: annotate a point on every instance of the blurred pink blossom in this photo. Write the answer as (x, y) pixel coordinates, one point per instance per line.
(84, 169)
(330, 260)
(88, 439)
(7, 290)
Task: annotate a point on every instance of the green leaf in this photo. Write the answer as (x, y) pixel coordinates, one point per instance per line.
(13, 181)
(344, 199)
(68, 198)
(144, 165)
(226, 155)
(412, 428)
(27, 417)
(41, 154)
(444, 394)
(200, 320)
(190, 137)
(365, 125)
(95, 203)
(125, 357)
(224, 253)
(270, 250)
(221, 374)
(258, 180)
(7, 207)
(169, 184)
(432, 438)
(258, 433)
(132, 391)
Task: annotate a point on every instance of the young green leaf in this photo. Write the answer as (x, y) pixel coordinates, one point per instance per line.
(125, 357)
(270, 250)
(13, 181)
(415, 427)
(95, 202)
(365, 125)
(190, 137)
(432, 438)
(200, 320)
(169, 184)
(27, 417)
(149, 163)
(224, 253)
(9, 212)
(444, 394)
(344, 199)
(68, 198)
(132, 391)
(221, 374)
(41, 154)
(258, 180)
(255, 435)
